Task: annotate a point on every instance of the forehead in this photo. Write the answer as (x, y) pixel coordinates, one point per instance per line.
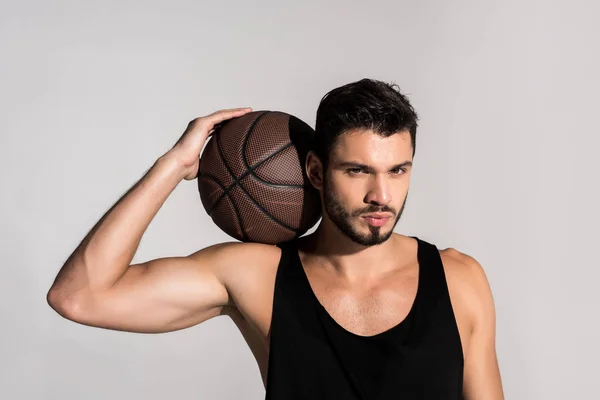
(368, 147)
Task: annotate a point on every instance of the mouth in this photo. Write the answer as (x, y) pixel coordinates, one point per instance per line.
(377, 219)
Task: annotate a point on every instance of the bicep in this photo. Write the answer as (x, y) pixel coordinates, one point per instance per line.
(481, 374)
(161, 295)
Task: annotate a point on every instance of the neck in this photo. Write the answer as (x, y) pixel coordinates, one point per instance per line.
(352, 261)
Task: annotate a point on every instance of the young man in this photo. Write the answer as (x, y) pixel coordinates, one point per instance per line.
(352, 311)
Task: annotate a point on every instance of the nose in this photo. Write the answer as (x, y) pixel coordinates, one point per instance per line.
(379, 191)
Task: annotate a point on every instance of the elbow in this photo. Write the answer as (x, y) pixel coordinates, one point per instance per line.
(65, 305)
(56, 301)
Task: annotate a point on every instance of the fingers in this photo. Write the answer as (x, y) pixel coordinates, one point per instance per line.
(222, 115)
(213, 121)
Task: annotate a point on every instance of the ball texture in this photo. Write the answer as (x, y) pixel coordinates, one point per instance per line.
(252, 180)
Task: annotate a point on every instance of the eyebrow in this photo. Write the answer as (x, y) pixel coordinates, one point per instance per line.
(354, 164)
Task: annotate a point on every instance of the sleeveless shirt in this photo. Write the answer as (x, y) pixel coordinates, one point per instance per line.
(312, 357)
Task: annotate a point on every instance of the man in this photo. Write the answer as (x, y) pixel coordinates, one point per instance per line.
(352, 311)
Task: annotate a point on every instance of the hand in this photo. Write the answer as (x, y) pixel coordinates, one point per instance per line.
(188, 147)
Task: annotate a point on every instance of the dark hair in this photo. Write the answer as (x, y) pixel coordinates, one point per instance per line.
(366, 104)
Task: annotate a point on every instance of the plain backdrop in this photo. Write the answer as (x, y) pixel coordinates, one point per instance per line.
(91, 93)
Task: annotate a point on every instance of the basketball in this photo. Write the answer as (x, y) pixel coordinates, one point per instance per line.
(252, 181)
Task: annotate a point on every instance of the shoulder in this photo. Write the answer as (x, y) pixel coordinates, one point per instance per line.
(242, 267)
(460, 265)
(248, 272)
(468, 286)
(237, 251)
(229, 257)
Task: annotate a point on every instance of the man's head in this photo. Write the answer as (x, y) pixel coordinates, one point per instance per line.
(361, 160)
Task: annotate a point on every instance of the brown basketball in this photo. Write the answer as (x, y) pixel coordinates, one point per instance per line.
(252, 180)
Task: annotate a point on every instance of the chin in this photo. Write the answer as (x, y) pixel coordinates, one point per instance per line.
(366, 237)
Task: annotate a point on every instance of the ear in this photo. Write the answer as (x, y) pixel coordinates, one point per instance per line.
(314, 170)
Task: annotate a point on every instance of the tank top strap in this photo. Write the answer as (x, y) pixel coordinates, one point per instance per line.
(292, 291)
(288, 274)
(289, 251)
(431, 269)
(434, 294)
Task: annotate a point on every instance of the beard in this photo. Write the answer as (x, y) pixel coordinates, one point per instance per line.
(342, 219)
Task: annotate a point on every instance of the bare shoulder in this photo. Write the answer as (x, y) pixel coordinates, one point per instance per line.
(226, 253)
(461, 266)
(248, 271)
(233, 262)
(468, 286)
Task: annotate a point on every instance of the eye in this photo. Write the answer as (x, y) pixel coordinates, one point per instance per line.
(398, 171)
(354, 171)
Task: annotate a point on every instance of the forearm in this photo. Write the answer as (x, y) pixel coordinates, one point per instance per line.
(108, 249)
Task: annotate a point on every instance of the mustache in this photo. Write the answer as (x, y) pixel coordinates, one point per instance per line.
(373, 209)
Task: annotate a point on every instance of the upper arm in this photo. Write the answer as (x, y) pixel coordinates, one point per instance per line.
(473, 298)
(161, 295)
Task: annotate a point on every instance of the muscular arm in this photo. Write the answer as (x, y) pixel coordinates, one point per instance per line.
(161, 295)
(98, 286)
(475, 311)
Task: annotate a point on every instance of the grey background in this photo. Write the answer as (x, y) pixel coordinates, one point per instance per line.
(91, 93)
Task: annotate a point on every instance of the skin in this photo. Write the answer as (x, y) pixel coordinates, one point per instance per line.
(98, 286)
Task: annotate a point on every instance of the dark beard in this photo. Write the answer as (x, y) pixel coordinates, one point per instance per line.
(341, 219)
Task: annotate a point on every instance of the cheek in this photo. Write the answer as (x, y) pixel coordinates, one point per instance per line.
(400, 195)
(341, 185)
(402, 187)
(348, 192)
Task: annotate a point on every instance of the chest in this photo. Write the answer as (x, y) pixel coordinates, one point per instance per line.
(363, 308)
(366, 308)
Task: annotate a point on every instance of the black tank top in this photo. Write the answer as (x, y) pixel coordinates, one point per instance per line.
(313, 357)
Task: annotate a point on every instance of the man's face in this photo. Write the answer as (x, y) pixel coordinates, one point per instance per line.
(366, 184)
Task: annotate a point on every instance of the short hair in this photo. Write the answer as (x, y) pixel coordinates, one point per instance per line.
(365, 104)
